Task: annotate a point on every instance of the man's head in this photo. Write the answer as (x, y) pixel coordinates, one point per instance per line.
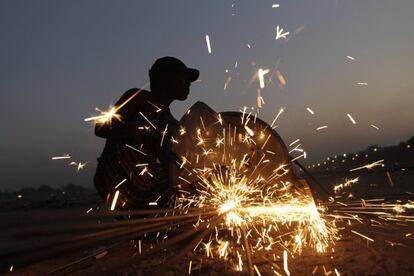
(172, 78)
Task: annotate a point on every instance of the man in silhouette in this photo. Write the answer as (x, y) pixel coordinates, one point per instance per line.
(132, 171)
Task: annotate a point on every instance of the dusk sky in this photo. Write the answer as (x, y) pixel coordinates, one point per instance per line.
(61, 59)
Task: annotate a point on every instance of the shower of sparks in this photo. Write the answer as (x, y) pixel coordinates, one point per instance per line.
(65, 156)
(250, 198)
(280, 34)
(208, 44)
(351, 119)
(321, 127)
(310, 111)
(369, 166)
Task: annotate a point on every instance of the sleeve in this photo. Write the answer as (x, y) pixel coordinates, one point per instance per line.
(127, 111)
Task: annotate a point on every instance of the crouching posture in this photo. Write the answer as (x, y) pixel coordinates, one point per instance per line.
(133, 169)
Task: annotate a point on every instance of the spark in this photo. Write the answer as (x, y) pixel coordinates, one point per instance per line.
(274, 6)
(114, 200)
(390, 179)
(280, 33)
(208, 44)
(369, 166)
(137, 150)
(374, 126)
(257, 270)
(321, 127)
(79, 165)
(361, 235)
(310, 111)
(106, 117)
(249, 130)
(350, 118)
(350, 57)
(147, 119)
(227, 83)
(261, 73)
(347, 183)
(120, 183)
(65, 156)
(362, 83)
(157, 108)
(163, 134)
(281, 110)
(294, 142)
(285, 262)
(189, 267)
(139, 247)
(281, 78)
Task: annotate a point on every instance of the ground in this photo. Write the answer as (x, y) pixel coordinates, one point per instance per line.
(390, 252)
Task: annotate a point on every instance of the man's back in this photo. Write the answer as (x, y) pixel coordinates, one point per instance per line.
(136, 150)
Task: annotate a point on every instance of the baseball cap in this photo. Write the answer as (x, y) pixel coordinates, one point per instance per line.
(172, 65)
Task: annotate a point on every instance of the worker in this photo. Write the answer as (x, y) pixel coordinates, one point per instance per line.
(133, 169)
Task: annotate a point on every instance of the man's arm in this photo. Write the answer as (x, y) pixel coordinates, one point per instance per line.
(128, 105)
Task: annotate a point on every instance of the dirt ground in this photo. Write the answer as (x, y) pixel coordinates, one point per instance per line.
(390, 253)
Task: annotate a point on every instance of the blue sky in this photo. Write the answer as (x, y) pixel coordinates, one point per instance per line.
(61, 59)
